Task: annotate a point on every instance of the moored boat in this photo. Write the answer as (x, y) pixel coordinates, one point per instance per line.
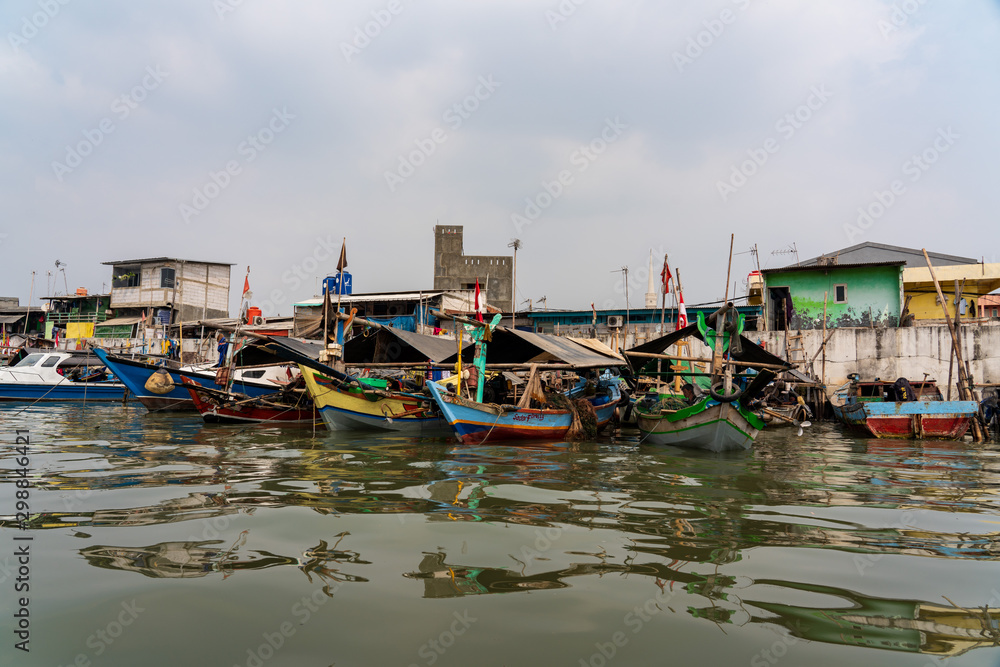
(160, 388)
(711, 413)
(877, 408)
(56, 375)
(219, 407)
(350, 403)
(474, 422)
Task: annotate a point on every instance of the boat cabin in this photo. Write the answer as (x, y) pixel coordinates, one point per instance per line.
(885, 391)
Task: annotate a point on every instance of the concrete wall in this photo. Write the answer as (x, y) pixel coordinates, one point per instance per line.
(454, 270)
(891, 353)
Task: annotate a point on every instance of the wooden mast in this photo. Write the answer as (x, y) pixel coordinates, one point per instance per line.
(964, 383)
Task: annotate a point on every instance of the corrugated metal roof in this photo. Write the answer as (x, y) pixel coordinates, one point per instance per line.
(376, 296)
(150, 260)
(10, 319)
(827, 267)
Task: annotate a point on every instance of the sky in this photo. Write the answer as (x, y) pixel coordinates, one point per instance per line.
(596, 132)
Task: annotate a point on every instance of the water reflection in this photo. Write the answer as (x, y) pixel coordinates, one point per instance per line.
(873, 622)
(185, 560)
(682, 524)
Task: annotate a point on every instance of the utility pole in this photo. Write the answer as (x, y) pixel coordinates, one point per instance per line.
(515, 244)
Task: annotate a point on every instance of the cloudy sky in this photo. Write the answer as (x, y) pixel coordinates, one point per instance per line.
(261, 133)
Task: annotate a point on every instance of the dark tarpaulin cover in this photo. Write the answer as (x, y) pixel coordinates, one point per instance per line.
(510, 346)
(387, 345)
(751, 353)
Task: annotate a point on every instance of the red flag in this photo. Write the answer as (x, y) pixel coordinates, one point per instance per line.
(665, 276)
(682, 313)
(342, 262)
(479, 313)
(246, 285)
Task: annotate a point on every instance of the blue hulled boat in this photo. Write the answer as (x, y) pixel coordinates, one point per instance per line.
(161, 389)
(54, 375)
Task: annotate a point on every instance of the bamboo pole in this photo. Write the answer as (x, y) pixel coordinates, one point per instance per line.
(963, 387)
(729, 362)
(822, 376)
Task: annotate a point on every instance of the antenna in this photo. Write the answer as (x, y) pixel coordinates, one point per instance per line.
(61, 266)
(790, 250)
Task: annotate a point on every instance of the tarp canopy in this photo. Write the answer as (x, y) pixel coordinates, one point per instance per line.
(119, 322)
(388, 345)
(10, 319)
(290, 349)
(751, 352)
(513, 346)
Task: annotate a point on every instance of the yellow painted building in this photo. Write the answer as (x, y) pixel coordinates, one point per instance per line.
(973, 280)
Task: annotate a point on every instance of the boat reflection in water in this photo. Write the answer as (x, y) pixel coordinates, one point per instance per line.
(186, 560)
(913, 626)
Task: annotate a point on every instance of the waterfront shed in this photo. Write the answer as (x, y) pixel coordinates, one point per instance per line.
(857, 295)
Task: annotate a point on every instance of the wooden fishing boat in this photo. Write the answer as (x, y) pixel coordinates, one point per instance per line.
(719, 419)
(160, 388)
(474, 422)
(871, 408)
(219, 407)
(44, 375)
(349, 403)
(708, 425)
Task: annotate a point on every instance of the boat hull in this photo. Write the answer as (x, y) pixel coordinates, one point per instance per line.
(344, 410)
(911, 419)
(62, 392)
(717, 428)
(134, 375)
(215, 411)
(475, 423)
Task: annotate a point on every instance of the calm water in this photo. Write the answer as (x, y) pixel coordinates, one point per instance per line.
(159, 540)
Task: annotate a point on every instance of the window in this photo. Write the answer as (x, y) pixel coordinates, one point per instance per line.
(126, 276)
(994, 312)
(50, 362)
(29, 360)
(840, 293)
(167, 277)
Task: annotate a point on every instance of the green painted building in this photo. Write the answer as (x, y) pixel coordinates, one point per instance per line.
(857, 295)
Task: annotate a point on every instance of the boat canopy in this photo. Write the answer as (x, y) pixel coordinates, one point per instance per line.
(388, 345)
(513, 346)
(751, 352)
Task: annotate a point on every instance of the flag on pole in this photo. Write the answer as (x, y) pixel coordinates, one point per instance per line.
(665, 276)
(479, 312)
(247, 294)
(342, 262)
(682, 313)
